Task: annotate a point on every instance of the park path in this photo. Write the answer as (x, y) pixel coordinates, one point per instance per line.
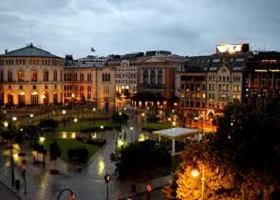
(87, 184)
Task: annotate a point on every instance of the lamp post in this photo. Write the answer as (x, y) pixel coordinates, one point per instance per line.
(101, 127)
(12, 157)
(72, 99)
(131, 129)
(195, 172)
(76, 120)
(94, 109)
(31, 116)
(143, 115)
(202, 120)
(107, 179)
(72, 194)
(169, 121)
(120, 114)
(63, 113)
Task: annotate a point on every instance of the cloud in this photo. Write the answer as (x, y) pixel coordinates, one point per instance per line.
(123, 26)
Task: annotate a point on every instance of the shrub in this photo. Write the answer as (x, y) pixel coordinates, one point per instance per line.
(78, 155)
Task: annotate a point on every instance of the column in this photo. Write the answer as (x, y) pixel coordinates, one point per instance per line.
(173, 146)
(156, 74)
(149, 76)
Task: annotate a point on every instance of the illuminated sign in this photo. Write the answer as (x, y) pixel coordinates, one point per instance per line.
(229, 48)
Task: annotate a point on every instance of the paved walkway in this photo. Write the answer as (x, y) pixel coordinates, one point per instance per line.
(6, 193)
(87, 184)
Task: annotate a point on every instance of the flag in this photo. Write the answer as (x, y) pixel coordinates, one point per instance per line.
(92, 49)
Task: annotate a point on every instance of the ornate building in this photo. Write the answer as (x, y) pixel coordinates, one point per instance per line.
(30, 76)
(262, 79)
(89, 82)
(191, 87)
(156, 74)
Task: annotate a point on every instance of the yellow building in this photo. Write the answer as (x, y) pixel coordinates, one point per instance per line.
(30, 76)
(89, 82)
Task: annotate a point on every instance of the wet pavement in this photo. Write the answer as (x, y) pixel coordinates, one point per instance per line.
(88, 184)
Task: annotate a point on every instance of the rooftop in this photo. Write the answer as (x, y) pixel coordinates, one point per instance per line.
(29, 51)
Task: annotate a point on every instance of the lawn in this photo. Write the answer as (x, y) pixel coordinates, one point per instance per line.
(83, 125)
(157, 126)
(66, 144)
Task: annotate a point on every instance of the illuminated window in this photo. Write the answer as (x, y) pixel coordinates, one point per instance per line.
(20, 75)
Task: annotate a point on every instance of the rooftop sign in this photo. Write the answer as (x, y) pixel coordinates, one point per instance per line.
(231, 48)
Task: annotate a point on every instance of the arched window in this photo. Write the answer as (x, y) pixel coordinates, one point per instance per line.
(145, 77)
(153, 77)
(10, 75)
(34, 75)
(46, 75)
(160, 77)
(20, 75)
(55, 75)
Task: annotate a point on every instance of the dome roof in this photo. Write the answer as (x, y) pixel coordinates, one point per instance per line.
(29, 51)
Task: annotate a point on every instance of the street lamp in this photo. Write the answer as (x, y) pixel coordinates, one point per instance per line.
(76, 120)
(72, 194)
(63, 113)
(143, 115)
(195, 173)
(131, 129)
(107, 179)
(72, 98)
(94, 109)
(12, 157)
(101, 127)
(169, 121)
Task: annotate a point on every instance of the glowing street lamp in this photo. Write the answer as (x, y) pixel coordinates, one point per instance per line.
(195, 173)
(169, 121)
(131, 129)
(63, 113)
(94, 110)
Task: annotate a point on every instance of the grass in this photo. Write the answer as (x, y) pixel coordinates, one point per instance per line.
(83, 125)
(66, 144)
(157, 126)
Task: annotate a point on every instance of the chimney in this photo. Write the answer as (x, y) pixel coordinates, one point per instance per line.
(6, 51)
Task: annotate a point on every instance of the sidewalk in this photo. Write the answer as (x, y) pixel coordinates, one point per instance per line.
(6, 193)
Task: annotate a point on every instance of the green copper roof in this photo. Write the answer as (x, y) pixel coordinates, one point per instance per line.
(29, 51)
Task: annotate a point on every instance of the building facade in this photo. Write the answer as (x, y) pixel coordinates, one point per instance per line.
(89, 82)
(156, 74)
(191, 87)
(30, 76)
(262, 79)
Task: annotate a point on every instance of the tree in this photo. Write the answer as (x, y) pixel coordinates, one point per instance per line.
(223, 179)
(120, 118)
(140, 158)
(32, 132)
(48, 124)
(244, 133)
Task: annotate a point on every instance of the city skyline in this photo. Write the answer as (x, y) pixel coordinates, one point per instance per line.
(120, 27)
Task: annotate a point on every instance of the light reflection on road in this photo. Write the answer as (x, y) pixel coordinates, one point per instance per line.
(101, 165)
